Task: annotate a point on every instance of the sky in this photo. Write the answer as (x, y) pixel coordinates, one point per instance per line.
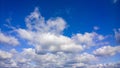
(59, 33)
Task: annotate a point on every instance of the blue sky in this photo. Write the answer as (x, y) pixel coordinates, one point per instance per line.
(79, 14)
(69, 33)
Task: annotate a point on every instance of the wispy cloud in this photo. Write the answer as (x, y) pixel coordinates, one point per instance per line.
(117, 35)
(96, 28)
(115, 1)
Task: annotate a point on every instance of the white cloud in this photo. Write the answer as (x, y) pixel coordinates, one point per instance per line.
(79, 65)
(56, 25)
(96, 28)
(50, 42)
(8, 39)
(58, 43)
(86, 58)
(28, 58)
(36, 22)
(5, 55)
(25, 34)
(6, 60)
(89, 39)
(47, 35)
(50, 48)
(107, 51)
(50, 60)
(107, 65)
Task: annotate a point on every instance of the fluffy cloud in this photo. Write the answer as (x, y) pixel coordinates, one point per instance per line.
(58, 42)
(47, 35)
(89, 39)
(51, 49)
(5, 55)
(107, 51)
(8, 39)
(28, 58)
(108, 65)
(50, 42)
(86, 58)
(6, 61)
(36, 22)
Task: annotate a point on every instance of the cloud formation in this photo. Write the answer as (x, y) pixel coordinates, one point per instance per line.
(51, 49)
(107, 51)
(47, 35)
(89, 39)
(36, 22)
(6, 60)
(8, 39)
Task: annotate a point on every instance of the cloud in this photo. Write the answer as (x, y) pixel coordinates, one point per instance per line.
(86, 58)
(5, 55)
(46, 36)
(36, 22)
(89, 39)
(107, 51)
(117, 35)
(28, 58)
(25, 34)
(115, 1)
(96, 28)
(6, 60)
(8, 39)
(107, 65)
(50, 42)
(50, 48)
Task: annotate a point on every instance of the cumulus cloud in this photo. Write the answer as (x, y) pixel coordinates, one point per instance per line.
(36, 22)
(50, 48)
(28, 58)
(89, 39)
(6, 61)
(5, 55)
(106, 65)
(8, 39)
(107, 51)
(47, 35)
(86, 58)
